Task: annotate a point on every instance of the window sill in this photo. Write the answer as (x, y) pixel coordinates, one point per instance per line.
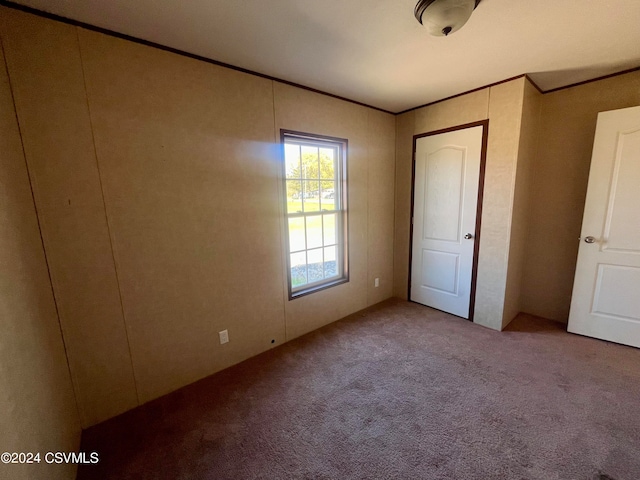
(317, 288)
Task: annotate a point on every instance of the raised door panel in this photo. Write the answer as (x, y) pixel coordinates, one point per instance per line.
(444, 183)
(622, 223)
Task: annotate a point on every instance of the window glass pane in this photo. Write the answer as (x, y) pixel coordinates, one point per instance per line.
(314, 231)
(328, 194)
(309, 162)
(330, 262)
(311, 195)
(329, 153)
(294, 196)
(296, 234)
(313, 183)
(330, 229)
(292, 160)
(327, 163)
(314, 259)
(298, 269)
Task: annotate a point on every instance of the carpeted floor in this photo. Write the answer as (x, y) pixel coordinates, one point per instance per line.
(397, 391)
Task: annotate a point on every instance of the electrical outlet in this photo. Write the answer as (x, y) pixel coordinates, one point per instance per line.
(376, 282)
(224, 336)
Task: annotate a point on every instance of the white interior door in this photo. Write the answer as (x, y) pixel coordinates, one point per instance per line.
(606, 289)
(447, 172)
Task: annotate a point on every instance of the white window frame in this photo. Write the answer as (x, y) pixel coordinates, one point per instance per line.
(340, 202)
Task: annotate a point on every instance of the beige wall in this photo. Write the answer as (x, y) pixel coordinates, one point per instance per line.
(158, 185)
(37, 408)
(505, 114)
(520, 216)
(371, 166)
(192, 205)
(405, 129)
(44, 63)
(381, 137)
(568, 122)
(502, 105)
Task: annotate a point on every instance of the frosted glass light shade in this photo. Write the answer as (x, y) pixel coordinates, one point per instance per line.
(444, 17)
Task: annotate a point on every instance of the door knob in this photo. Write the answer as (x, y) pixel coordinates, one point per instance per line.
(589, 239)
(468, 236)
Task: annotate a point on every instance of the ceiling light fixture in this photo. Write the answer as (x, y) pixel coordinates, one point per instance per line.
(443, 17)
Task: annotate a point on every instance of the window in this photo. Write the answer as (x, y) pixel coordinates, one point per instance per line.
(316, 211)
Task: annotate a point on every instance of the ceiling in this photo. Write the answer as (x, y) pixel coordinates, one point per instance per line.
(374, 51)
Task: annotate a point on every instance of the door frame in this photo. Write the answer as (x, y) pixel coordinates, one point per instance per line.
(483, 163)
